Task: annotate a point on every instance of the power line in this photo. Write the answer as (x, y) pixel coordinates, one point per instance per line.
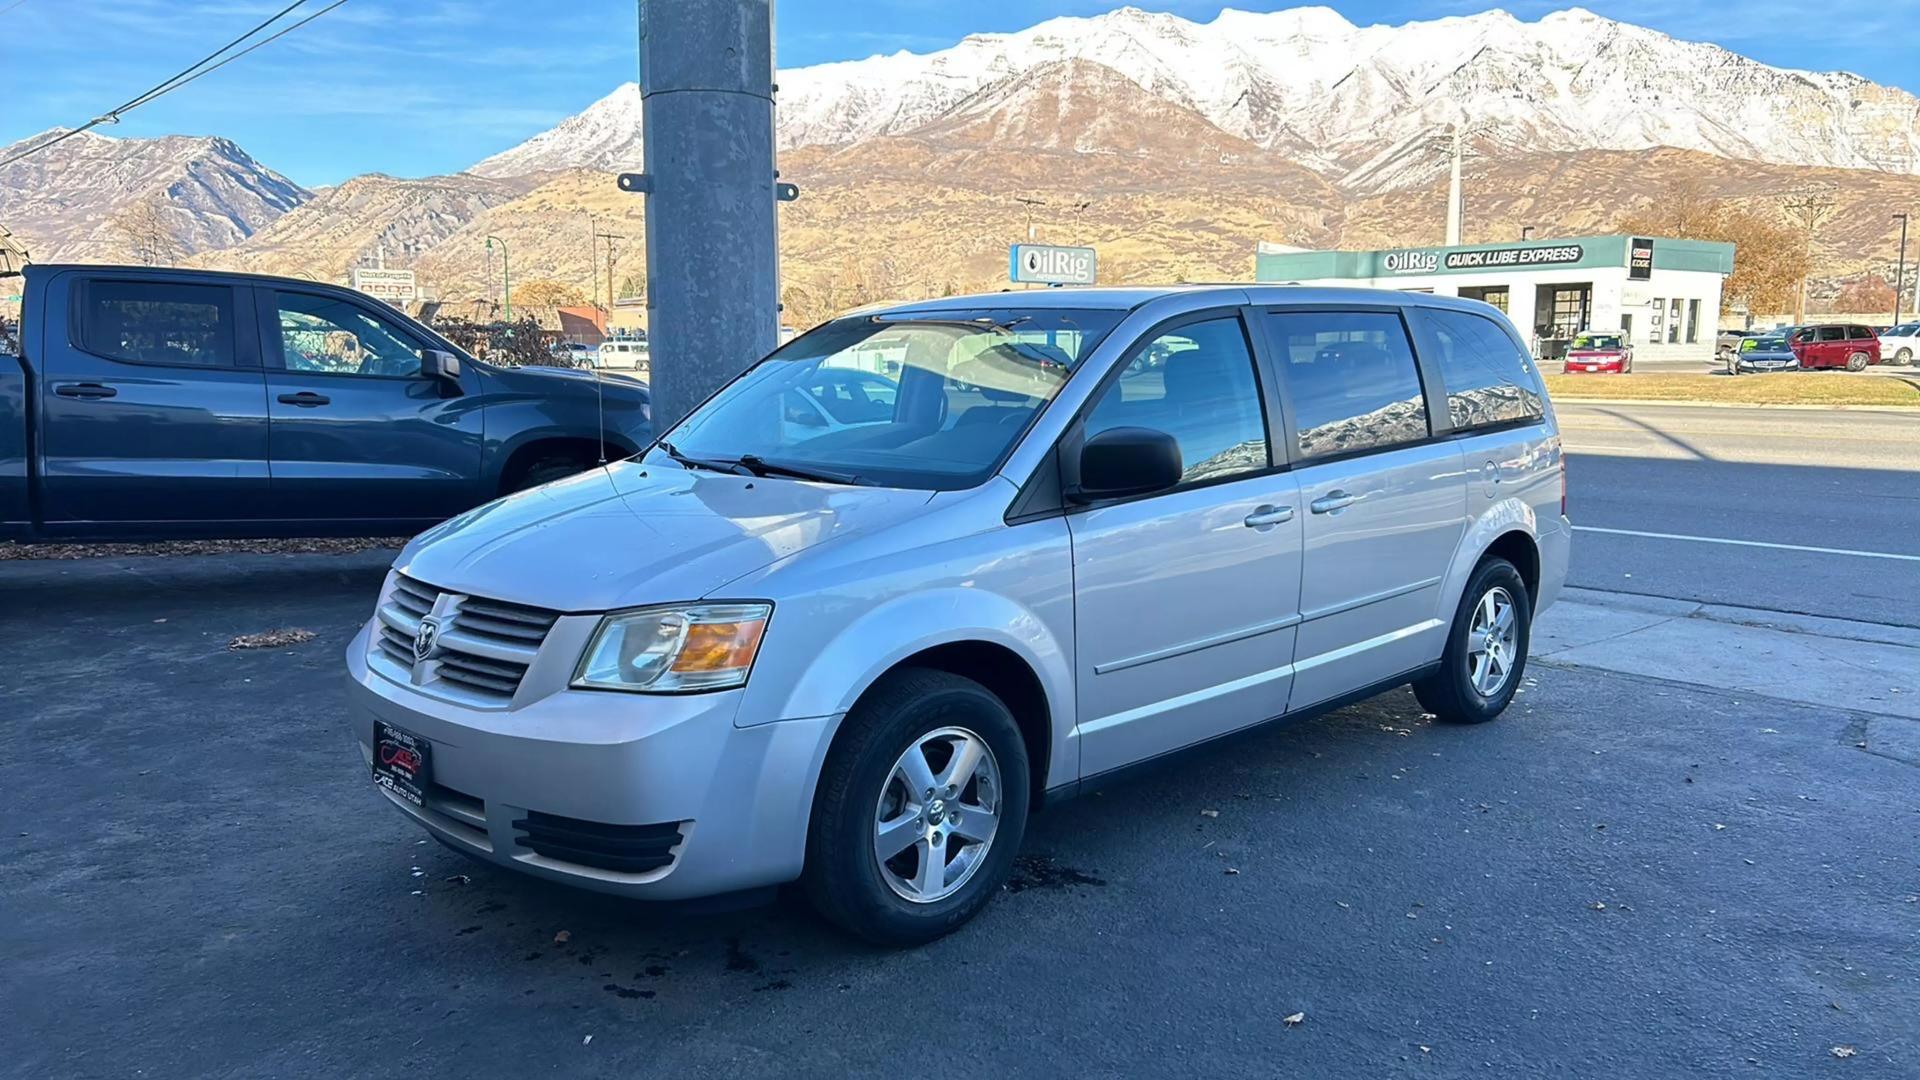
(10, 7)
(202, 67)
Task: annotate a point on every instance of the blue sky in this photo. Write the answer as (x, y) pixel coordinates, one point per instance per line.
(415, 87)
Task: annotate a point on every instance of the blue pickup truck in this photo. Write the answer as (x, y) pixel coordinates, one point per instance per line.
(146, 404)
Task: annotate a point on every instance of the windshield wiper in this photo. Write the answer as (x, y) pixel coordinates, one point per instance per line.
(760, 466)
(694, 462)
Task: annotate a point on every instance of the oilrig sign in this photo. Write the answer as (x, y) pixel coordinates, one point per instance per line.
(393, 286)
(1044, 264)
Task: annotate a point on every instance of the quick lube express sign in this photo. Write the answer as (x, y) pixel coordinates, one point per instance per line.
(1046, 264)
(1436, 261)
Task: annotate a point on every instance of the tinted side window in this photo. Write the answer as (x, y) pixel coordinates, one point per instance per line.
(1195, 383)
(1859, 332)
(1352, 380)
(153, 322)
(330, 336)
(1833, 333)
(1489, 379)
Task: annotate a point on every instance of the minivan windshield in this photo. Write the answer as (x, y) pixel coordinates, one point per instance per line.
(928, 400)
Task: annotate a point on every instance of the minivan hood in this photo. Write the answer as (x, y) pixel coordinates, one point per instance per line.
(631, 534)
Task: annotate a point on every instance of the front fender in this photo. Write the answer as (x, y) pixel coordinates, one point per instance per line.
(833, 674)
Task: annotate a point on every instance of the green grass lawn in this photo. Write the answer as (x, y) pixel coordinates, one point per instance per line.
(1791, 388)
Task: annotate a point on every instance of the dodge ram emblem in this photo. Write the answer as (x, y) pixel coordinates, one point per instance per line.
(425, 638)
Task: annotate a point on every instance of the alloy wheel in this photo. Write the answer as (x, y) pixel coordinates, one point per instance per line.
(937, 815)
(1492, 642)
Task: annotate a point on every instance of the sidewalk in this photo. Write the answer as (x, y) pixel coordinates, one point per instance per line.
(1860, 667)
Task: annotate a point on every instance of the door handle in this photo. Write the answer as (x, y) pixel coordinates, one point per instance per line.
(1333, 500)
(86, 391)
(1269, 515)
(305, 399)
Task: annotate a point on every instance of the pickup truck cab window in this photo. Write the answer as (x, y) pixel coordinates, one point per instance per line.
(330, 336)
(157, 322)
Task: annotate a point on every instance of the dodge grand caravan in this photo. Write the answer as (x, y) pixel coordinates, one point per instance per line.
(1094, 527)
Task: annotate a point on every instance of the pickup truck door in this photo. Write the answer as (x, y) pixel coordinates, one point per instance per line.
(358, 433)
(152, 405)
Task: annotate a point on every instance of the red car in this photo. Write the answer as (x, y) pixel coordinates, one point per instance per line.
(1599, 353)
(1834, 345)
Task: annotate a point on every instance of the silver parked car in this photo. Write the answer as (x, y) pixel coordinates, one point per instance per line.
(1094, 527)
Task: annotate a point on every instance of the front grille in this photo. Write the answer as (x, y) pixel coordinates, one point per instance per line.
(484, 646)
(626, 849)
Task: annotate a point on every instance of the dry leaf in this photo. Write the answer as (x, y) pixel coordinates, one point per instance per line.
(563, 937)
(588, 1041)
(1597, 906)
(1843, 1051)
(1294, 1020)
(272, 639)
(1209, 813)
(1230, 870)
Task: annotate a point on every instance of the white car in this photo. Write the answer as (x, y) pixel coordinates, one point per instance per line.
(1900, 344)
(623, 355)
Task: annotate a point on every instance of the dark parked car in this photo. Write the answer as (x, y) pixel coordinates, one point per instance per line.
(1764, 352)
(148, 404)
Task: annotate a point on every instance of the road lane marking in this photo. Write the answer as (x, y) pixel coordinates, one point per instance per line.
(1750, 543)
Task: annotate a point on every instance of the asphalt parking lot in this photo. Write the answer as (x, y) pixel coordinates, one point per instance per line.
(1624, 877)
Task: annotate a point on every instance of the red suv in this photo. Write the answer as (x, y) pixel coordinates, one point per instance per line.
(1834, 345)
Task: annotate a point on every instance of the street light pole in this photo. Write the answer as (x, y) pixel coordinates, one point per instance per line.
(1900, 275)
(506, 276)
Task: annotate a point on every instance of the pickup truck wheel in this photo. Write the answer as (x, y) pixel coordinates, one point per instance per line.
(1857, 362)
(545, 470)
(920, 809)
(1486, 653)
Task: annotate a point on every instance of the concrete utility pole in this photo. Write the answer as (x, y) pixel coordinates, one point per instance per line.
(706, 107)
(1453, 189)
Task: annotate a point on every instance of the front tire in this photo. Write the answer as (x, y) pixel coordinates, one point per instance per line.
(920, 810)
(1486, 654)
(545, 471)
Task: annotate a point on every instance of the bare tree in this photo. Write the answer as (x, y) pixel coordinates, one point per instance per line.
(144, 228)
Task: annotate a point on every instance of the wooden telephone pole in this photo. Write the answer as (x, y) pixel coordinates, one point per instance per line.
(1811, 210)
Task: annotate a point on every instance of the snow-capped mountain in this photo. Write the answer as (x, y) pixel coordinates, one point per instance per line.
(1359, 103)
(89, 196)
(605, 136)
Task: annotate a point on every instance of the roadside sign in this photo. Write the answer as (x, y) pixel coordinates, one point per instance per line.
(1045, 264)
(393, 286)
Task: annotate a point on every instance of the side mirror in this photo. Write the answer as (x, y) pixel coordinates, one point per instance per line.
(441, 365)
(1126, 461)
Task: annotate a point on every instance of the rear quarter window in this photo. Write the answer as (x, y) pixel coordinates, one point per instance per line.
(156, 322)
(1490, 380)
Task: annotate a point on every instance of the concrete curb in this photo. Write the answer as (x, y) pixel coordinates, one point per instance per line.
(1763, 618)
(1902, 409)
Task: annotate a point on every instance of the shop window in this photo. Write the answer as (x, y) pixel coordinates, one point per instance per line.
(1673, 321)
(1693, 322)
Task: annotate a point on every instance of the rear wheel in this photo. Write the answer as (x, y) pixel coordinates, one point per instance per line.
(1486, 649)
(1857, 361)
(1903, 357)
(920, 810)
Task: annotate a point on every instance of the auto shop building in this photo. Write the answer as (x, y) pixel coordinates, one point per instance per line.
(1663, 293)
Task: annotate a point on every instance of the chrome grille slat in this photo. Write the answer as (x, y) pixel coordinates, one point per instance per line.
(484, 647)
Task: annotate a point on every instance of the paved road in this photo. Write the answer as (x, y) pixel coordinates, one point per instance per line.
(197, 881)
(1824, 478)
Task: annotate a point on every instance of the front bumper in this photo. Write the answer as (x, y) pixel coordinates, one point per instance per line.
(739, 797)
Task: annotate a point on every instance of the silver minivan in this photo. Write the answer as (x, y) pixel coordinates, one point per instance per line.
(1089, 529)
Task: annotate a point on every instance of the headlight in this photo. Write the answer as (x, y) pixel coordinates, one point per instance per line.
(674, 649)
